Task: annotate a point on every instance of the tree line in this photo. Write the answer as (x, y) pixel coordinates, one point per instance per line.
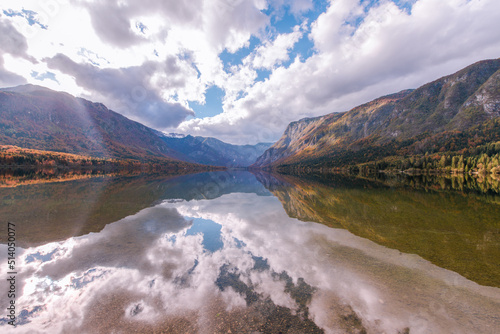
(14, 157)
(483, 159)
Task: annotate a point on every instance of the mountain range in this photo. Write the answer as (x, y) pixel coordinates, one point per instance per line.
(211, 151)
(451, 114)
(35, 117)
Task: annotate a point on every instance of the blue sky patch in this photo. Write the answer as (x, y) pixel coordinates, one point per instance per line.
(41, 257)
(29, 15)
(141, 27)
(213, 103)
(405, 5)
(234, 59)
(92, 57)
(283, 24)
(320, 7)
(211, 232)
(304, 49)
(44, 76)
(262, 74)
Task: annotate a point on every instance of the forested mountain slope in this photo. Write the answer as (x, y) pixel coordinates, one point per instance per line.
(38, 118)
(450, 114)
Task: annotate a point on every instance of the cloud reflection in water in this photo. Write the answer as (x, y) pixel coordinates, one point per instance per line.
(239, 263)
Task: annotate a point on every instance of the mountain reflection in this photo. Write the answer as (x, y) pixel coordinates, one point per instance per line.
(230, 260)
(56, 211)
(455, 230)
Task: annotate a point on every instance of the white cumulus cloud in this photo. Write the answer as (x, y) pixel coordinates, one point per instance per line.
(150, 60)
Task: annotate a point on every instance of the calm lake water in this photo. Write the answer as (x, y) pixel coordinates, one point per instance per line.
(234, 252)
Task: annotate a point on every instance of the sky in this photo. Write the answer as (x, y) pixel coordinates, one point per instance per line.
(239, 70)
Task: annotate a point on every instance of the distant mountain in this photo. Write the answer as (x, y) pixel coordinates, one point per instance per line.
(451, 113)
(39, 118)
(211, 151)
(171, 135)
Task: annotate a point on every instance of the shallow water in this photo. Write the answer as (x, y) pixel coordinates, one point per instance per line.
(228, 252)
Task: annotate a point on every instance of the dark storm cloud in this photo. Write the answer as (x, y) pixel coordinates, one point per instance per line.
(126, 90)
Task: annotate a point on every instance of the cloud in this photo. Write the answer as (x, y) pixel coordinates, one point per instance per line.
(129, 90)
(13, 43)
(150, 59)
(118, 28)
(270, 55)
(273, 53)
(361, 53)
(229, 24)
(8, 78)
(301, 6)
(145, 59)
(296, 7)
(224, 23)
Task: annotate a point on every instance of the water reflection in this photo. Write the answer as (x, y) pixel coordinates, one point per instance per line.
(56, 211)
(237, 263)
(13, 177)
(456, 230)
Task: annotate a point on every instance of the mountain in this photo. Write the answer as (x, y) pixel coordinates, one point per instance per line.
(39, 118)
(451, 113)
(211, 151)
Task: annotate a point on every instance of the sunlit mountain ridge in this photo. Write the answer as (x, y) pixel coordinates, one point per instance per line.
(450, 114)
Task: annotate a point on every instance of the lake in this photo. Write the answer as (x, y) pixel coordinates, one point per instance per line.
(236, 252)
